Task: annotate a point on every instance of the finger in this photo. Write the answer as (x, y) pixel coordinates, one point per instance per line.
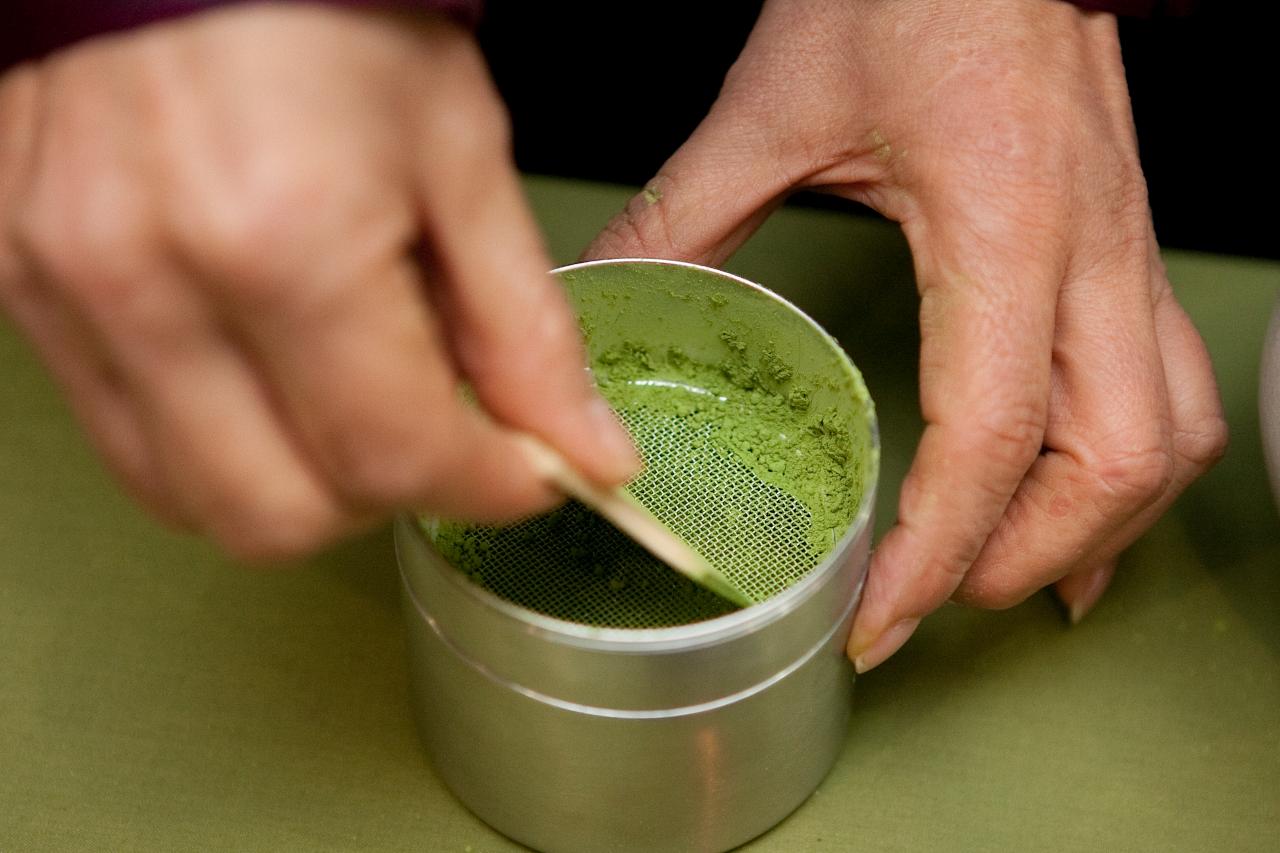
(363, 378)
(1080, 590)
(765, 136)
(506, 320)
(1108, 453)
(709, 197)
(217, 457)
(988, 282)
(661, 221)
(234, 462)
(1139, 419)
(1199, 432)
(228, 461)
(55, 212)
(94, 389)
(311, 275)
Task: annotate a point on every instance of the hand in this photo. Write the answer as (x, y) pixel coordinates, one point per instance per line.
(1067, 397)
(260, 248)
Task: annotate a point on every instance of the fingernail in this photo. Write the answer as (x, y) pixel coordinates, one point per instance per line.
(885, 645)
(613, 438)
(1088, 597)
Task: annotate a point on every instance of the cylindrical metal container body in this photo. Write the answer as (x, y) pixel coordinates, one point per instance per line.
(697, 737)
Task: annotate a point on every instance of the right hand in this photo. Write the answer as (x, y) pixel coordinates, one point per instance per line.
(260, 248)
(1067, 398)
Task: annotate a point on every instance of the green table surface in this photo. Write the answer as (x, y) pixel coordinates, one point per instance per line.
(156, 696)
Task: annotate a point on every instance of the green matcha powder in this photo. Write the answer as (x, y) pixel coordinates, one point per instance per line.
(737, 462)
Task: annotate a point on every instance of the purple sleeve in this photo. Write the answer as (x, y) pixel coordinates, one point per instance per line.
(33, 28)
(1138, 8)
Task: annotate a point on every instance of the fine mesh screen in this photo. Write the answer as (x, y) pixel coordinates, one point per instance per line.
(751, 530)
(573, 565)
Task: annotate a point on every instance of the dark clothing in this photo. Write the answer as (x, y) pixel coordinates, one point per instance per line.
(36, 27)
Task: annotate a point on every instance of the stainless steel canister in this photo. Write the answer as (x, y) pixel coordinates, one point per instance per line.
(568, 737)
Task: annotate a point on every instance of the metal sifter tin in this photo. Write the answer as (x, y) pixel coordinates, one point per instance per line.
(598, 705)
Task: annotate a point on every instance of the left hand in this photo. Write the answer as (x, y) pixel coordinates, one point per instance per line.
(262, 246)
(1067, 398)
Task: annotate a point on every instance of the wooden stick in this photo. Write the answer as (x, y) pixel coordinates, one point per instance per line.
(632, 518)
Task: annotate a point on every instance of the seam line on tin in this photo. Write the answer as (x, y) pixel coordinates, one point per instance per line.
(638, 714)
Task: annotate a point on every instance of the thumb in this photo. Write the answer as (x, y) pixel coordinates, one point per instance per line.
(705, 201)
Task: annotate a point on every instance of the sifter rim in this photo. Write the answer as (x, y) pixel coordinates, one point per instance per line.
(719, 628)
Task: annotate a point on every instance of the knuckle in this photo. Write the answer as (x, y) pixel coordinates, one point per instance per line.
(98, 258)
(112, 241)
(1010, 436)
(621, 234)
(643, 229)
(554, 338)
(111, 270)
(1204, 444)
(997, 592)
(86, 229)
(371, 470)
(1135, 477)
(29, 238)
(478, 125)
(532, 343)
(996, 580)
(253, 232)
(38, 233)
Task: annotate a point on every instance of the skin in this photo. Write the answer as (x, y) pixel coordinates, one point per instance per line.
(261, 247)
(1067, 398)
